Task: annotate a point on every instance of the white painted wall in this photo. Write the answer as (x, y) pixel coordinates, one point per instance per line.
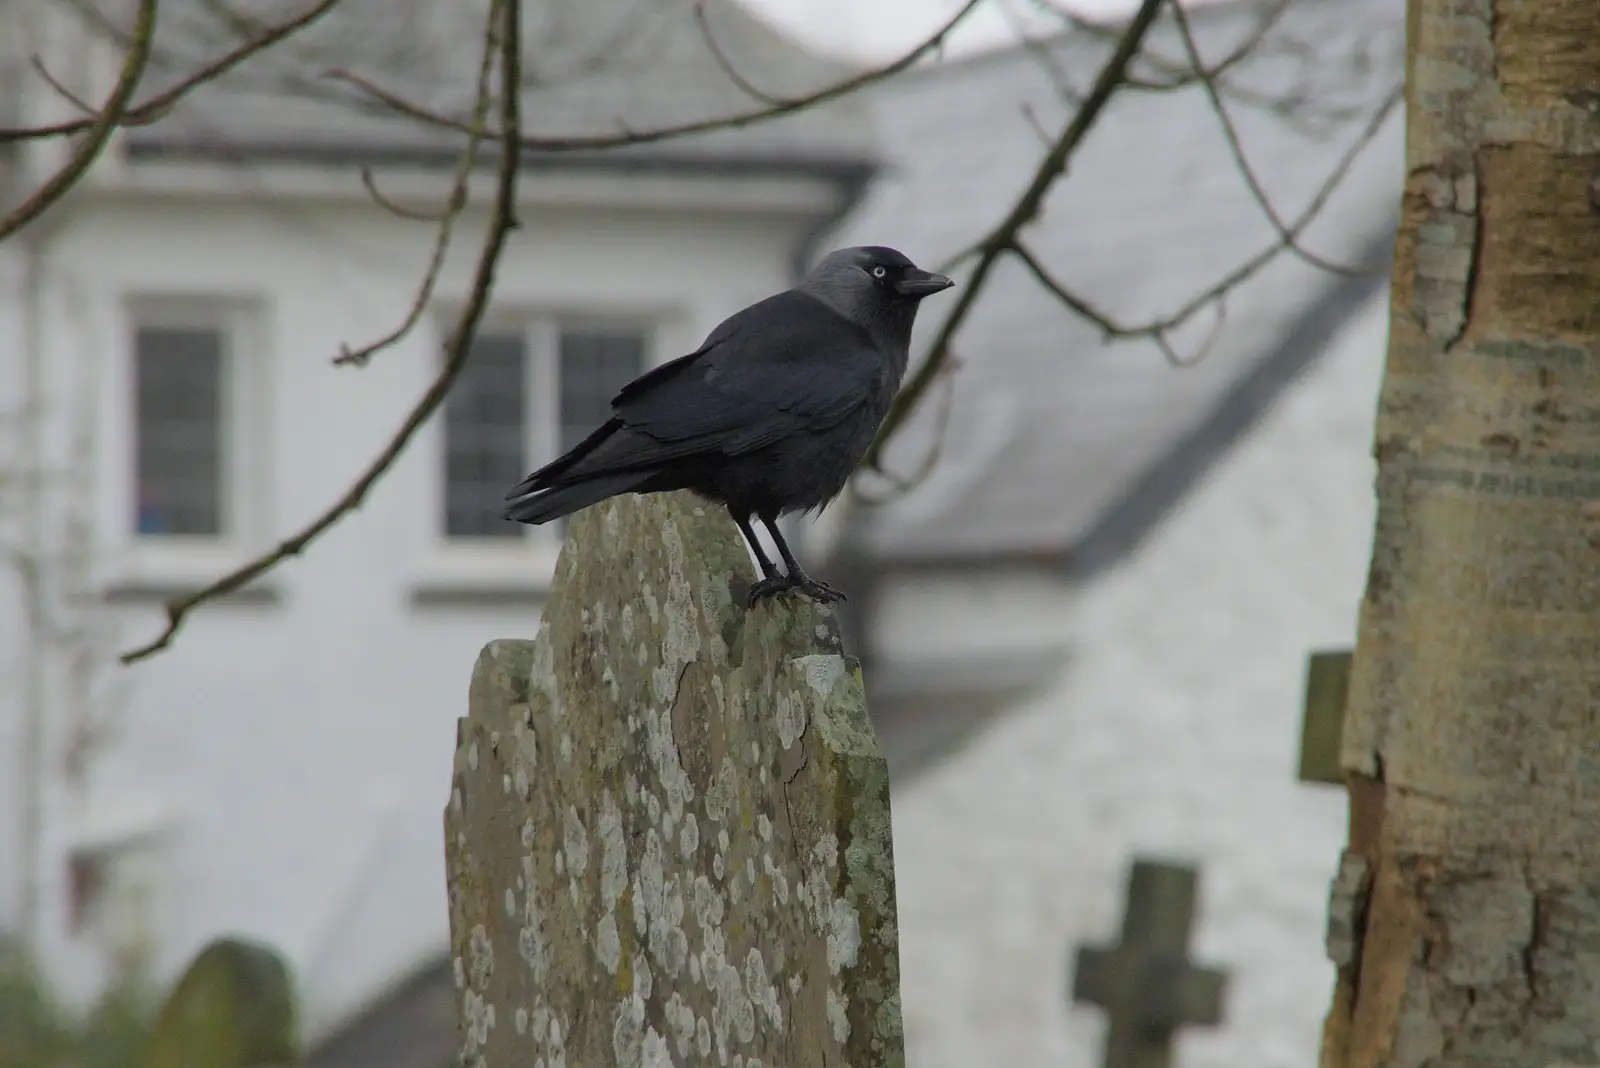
(288, 763)
(13, 650)
(1173, 733)
(1020, 608)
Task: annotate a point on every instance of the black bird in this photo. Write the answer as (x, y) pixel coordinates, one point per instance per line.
(770, 415)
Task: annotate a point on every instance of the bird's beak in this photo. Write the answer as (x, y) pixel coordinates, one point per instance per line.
(918, 283)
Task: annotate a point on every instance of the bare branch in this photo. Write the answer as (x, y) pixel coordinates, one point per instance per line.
(1159, 329)
(1335, 178)
(89, 110)
(1231, 134)
(1171, 75)
(592, 142)
(1296, 106)
(750, 89)
(1031, 117)
(1180, 78)
(369, 182)
(1027, 207)
(1177, 76)
(156, 107)
(99, 129)
(1156, 332)
(1045, 55)
(1006, 238)
(447, 220)
(457, 349)
(903, 484)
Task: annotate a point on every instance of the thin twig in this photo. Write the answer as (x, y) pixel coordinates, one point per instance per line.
(1335, 178)
(454, 205)
(59, 88)
(1024, 211)
(749, 88)
(1158, 329)
(156, 107)
(1110, 328)
(457, 349)
(1174, 75)
(593, 142)
(1005, 238)
(1182, 78)
(1031, 117)
(1236, 148)
(1044, 54)
(369, 182)
(99, 129)
(903, 484)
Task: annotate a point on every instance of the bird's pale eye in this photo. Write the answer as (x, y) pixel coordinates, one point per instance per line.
(878, 272)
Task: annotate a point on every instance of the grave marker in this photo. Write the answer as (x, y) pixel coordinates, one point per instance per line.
(668, 829)
(1146, 984)
(1322, 723)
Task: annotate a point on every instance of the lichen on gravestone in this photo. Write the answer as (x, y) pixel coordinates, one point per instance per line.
(232, 1008)
(668, 833)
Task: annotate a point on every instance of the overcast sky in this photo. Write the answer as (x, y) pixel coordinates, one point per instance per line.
(881, 29)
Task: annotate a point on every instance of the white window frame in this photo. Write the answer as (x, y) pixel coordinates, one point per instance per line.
(530, 558)
(194, 559)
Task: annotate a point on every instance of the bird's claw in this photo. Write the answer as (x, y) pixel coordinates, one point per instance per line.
(815, 589)
(820, 591)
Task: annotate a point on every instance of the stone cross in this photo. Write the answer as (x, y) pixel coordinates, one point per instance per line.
(1322, 728)
(667, 836)
(1146, 984)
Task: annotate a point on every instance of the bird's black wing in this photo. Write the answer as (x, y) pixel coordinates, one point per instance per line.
(785, 364)
(788, 364)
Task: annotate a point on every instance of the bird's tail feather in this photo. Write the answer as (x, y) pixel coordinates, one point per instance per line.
(558, 501)
(546, 477)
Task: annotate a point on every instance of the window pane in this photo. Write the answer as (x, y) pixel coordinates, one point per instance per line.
(178, 429)
(595, 364)
(485, 428)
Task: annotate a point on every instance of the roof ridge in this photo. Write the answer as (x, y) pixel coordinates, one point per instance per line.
(1204, 15)
(1207, 13)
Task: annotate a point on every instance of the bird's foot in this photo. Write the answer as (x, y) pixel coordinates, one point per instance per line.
(815, 589)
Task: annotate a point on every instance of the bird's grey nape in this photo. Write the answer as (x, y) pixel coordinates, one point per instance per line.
(841, 280)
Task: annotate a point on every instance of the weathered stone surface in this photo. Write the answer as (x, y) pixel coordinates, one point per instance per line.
(668, 830)
(233, 1008)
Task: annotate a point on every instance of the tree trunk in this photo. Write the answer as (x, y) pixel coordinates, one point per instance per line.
(1466, 917)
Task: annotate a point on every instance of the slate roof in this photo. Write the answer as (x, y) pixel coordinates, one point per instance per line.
(1051, 429)
(591, 67)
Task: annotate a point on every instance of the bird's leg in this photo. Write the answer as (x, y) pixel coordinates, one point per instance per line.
(768, 571)
(796, 579)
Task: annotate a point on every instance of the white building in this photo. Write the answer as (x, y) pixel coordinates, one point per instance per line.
(281, 770)
(1172, 733)
(1104, 595)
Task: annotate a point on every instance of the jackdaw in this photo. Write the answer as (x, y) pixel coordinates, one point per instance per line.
(770, 415)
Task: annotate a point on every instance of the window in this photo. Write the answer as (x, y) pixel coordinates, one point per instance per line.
(594, 366)
(486, 421)
(522, 399)
(180, 432)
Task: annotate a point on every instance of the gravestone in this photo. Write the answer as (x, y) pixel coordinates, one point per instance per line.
(668, 829)
(1322, 724)
(232, 1008)
(1146, 984)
